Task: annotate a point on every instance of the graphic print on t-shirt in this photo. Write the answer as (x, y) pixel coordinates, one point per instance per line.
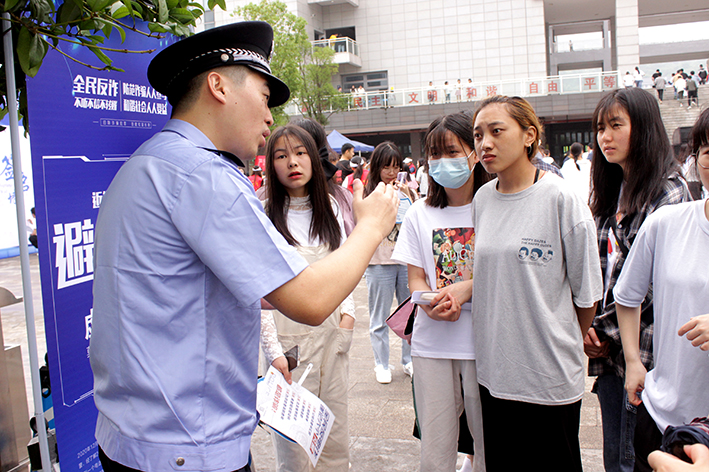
(535, 251)
(453, 253)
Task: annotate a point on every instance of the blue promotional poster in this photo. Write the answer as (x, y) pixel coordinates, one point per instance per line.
(85, 123)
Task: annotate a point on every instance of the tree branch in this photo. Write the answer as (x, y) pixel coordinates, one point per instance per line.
(103, 48)
(79, 62)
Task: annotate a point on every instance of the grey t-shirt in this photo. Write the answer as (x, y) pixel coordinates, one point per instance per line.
(536, 256)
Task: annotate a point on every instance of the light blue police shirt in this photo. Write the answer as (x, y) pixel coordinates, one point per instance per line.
(184, 252)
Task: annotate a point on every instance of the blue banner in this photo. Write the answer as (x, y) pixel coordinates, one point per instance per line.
(84, 124)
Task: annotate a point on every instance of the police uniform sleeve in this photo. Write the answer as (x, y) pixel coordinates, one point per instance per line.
(219, 216)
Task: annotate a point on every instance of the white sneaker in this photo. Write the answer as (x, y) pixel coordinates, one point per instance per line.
(383, 374)
(409, 369)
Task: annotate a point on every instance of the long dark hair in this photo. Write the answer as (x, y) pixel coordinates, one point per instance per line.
(384, 154)
(360, 167)
(575, 152)
(461, 125)
(650, 159)
(323, 225)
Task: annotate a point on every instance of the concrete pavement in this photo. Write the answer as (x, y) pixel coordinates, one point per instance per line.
(381, 417)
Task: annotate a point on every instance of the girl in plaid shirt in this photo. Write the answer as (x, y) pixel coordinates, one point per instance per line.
(633, 174)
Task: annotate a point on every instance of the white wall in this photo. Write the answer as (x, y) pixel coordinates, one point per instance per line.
(439, 40)
(445, 40)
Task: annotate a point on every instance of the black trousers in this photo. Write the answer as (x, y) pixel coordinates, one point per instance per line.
(518, 434)
(648, 438)
(113, 466)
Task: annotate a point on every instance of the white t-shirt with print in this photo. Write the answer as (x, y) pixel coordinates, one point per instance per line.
(441, 242)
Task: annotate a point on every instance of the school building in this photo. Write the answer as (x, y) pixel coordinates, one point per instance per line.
(561, 55)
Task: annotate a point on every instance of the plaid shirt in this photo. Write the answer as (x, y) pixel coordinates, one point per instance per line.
(606, 323)
(541, 165)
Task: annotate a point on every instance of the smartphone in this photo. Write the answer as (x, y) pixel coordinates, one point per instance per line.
(293, 357)
(401, 177)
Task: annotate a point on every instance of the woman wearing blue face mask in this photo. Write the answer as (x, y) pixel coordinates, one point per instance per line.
(436, 241)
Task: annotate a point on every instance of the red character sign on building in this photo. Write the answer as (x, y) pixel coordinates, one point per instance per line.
(609, 82)
(413, 97)
(533, 87)
(491, 90)
(376, 101)
(553, 86)
(590, 83)
(471, 92)
(358, 102)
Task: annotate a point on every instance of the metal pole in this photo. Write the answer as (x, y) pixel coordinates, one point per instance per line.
(22, 234)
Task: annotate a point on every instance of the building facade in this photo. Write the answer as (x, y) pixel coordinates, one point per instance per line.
(404, 45)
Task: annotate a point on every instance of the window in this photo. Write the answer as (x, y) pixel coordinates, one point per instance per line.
(209, 19)
(371, 81)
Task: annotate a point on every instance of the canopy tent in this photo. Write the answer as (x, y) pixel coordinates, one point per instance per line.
(336, 140)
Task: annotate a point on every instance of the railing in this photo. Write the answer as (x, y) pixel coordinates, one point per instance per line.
(578, 45)
(427, 95)
(339, 45)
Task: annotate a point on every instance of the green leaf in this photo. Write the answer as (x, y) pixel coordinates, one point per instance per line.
(196, 6)
(101, 55)
(98, 5)
(157, 28)
(107, 29)
(97, 39)
(211, 4)
(122, 33)
(89, 25)
(182, 15)
(10, 4)
(31, 50)
(163, 12)
(180, 30)
(41, 11)
(222, 4)
(129, 5)
(68, 12)
(172, 4)
(120, 12)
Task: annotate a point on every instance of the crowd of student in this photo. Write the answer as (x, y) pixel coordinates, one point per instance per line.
(528, 276)
(505, 337)
(680, 82)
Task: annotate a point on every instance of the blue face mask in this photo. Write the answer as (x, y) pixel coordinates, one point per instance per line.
(452, 172)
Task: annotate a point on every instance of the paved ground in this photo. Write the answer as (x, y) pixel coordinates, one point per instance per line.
(381, 417)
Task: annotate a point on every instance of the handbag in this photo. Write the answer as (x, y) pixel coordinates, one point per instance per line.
(402, 320)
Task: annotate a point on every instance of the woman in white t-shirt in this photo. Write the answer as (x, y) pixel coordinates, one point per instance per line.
(577, 171)
(301, 208)
(437, 241)
(671, 252)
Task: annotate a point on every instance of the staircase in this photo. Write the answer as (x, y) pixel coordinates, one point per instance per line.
(675, 116)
